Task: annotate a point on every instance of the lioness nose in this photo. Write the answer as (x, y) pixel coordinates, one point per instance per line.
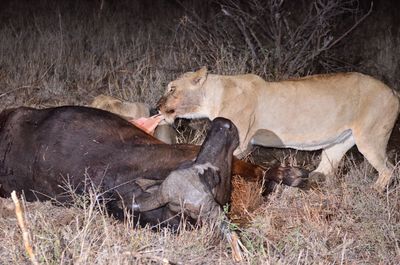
(154, 111)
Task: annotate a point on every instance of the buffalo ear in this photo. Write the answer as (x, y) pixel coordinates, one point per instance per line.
(199, 77)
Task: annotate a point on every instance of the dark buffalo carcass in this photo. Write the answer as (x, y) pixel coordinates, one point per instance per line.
(42, 150)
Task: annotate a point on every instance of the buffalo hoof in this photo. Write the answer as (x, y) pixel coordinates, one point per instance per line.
(290, 176)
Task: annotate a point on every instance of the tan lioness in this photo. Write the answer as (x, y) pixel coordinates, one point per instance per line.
(133, 111)
(128, 110)
(329, 112)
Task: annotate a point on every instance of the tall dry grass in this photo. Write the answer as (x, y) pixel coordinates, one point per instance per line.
(67, 52)
(341, 222)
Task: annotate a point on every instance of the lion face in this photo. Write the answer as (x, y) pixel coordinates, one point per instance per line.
(184, 97)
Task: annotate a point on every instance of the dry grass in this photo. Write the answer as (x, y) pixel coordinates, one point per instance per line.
(341, 222)
(87, 236)
(69, 55)
(58, 52)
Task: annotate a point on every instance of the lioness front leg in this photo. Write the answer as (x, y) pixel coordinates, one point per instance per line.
(246, 132)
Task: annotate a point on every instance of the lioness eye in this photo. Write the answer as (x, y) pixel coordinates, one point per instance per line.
(172, 88)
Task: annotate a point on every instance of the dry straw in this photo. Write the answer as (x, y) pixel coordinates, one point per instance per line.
(25, 232)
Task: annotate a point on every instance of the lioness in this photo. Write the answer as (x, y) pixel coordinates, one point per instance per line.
(329, 112)
(128, 110)
(133, 111)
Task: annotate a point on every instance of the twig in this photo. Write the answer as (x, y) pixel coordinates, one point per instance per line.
(236, 245)
(236, 252)
(241, 25)
(24, 229)
(351, 28)
(16, 89)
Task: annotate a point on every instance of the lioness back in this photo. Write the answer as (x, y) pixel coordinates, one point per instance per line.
(305, 113)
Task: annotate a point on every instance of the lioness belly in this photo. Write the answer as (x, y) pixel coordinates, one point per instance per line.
(270, 139)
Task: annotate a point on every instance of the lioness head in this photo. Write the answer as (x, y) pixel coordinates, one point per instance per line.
(184, 97)
(125, 109)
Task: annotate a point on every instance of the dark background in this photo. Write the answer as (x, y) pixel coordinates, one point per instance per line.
(135, 47)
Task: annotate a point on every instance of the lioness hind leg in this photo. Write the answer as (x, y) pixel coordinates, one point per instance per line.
(374, 150)
(331, 156)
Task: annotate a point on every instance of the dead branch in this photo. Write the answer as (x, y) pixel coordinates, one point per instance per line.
(237, 247)
(352, 27)
(25, 232)
(242, 27)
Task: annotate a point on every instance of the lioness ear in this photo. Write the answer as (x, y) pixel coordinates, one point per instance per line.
(199, 76)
